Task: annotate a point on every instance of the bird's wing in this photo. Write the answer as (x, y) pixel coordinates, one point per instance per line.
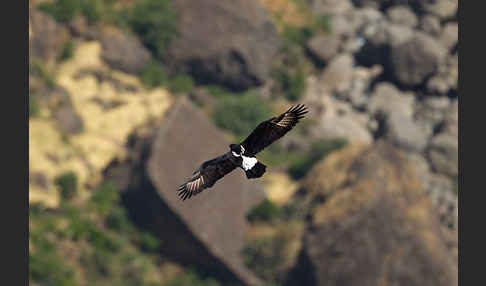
(269, 131)
(206, 176)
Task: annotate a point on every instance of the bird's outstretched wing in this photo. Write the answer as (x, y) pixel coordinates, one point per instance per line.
(269, 131)
(205, 177)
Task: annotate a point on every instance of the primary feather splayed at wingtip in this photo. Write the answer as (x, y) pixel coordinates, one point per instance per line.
(300, 110)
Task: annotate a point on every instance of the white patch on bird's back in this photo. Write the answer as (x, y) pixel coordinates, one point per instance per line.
(248, 162)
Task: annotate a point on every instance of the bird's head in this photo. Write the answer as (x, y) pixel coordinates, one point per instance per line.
(236, 149)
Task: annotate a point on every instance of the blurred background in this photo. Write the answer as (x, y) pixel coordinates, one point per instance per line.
(128, 97)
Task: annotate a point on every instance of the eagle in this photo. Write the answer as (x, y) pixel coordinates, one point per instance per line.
(243, 155)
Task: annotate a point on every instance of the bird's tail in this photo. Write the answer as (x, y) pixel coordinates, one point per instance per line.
(257, 171)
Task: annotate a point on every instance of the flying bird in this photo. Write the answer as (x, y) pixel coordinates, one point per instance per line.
(243, 155)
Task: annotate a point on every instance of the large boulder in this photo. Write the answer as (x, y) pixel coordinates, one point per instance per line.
(379, 229)
(206, 230)
(415, 60)
(48, 36)
(228, 42)
(123, 51)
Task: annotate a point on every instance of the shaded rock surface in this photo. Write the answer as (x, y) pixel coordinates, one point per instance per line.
(413, 61)
(224, 42)
(208, 228)
(48, 36)
(123, 51)
(357, 235)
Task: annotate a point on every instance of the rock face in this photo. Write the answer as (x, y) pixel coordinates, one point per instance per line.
(358, 234)
(234, 48)
(208, 228)
(123, 51)
(48, 36)
(413, 61)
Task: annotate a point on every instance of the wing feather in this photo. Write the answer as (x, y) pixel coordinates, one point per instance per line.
(205, 177)
(273, 129)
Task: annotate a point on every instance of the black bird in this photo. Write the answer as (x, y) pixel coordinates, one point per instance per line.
(243, 155)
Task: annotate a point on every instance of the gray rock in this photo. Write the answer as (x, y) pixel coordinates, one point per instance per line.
(68, 120)
(194, 231)
(443, 154)
(48, 36)
(402, 15)
(446, 78)
(79, 27)
(386, 99)
(430, 112)
(234, 48)
(449, 35)
(123, 51)
(357, 92)
(324, 47)
(412, 62)
(367, 234)
(338, 73)
(430, 24)
(403, 132)
(39, 179)
(220, 229)
(375, 30)
(397, 34)
(334, 118)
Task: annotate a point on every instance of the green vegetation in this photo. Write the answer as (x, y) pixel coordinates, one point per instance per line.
(319, 150)
(46, 267)
(68, 185)
(265, 211)
(149, 243)
(181, 83)
(153, 74)
(322, 23)
(455, 184)
(296, 35)
(290, 82)
(190, 278)
(155, 21)
(240, 114)
(264, 256)
(67, 51)
(65, 10)
(37, 68)
(34, 107)
(109, 248)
